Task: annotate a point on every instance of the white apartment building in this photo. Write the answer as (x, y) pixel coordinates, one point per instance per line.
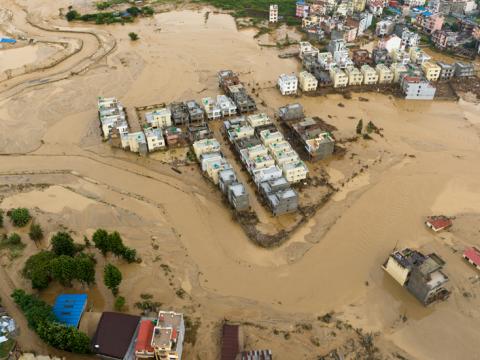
(159, 118)
(256, 120)
(226, 105)
(288, 84)
(273, 13)
(155, 139)
(307, 49)
(370, 76)
(212, 109)
(355, 76)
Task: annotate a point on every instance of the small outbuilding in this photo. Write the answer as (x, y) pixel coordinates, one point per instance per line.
(472, 255)
(69, 308)
(438, 223)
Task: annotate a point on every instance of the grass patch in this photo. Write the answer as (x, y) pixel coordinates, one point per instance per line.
(6, 347)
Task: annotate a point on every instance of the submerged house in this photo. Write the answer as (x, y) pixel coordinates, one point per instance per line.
(472, 255)
(438, 223)
(421, 274)
(291, 112)
(180, 114)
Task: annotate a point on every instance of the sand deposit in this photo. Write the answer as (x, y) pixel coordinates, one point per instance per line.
(427, 161)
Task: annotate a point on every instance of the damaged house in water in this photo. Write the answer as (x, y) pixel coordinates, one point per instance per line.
(421, 274)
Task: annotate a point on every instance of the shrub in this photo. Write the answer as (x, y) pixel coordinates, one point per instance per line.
(1, 218)
(19, 216)
(62, 244)
(37, 269)
(133, 36)
(72, 15)
(359, 127)
(85, 269)
(13, 239)
(36, 232)
(130, 255)
(112, 277)
(119, 303)
(100, 239)
(113, 242)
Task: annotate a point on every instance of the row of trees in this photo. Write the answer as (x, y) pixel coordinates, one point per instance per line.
(41, 319)
(113, 243)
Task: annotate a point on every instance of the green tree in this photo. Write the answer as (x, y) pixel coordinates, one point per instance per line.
(85, 269)
(72, 15)
(130, 255)
(19, 216)
(112, 277)
(359, 127)
(62, 244)
(63, 269)
(371, 127)
(119, 303)
(37, 269)
(100, 239)
(134, 11)
(36, 232)
(133, 36)
(115, 243)
(14, 239)
(1, 218)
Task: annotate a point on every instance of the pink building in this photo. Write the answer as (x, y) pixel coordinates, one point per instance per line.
(430, 22)
(302, 9)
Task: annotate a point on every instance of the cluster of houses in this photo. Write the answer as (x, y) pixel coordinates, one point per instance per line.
(7, 326)
(393, 61)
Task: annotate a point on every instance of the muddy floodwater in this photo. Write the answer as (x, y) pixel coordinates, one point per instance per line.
(425, 163)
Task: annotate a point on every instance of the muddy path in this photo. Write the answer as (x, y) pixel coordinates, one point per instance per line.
(95, 46)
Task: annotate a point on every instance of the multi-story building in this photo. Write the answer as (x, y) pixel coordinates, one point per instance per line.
(168, 335)
(385, 75)
(421, 274)
(159, 118)
(410, 38)
(302, 9)
(430, 22)
(400, 56)
(195, 112)
(238, 196)
(273, 13)
(384, 27)
(244, 102)
(416, 88)
(180, 115)
(397, 70)
(359, 5)
(112, 116)
(155, 139)
(317, 142)
(431, 71)
(288, 84)
(226, 105)
(390, 43)
(355, 76)
(269, 137)
(205, 146)
(370, 76)
(307, 49)
(325, 60)
(279, 196)
(381, 56)
(257, 120)
(307, 81)
(339, 78)
(137, 142)
(444, 39)
(361, 56)
(212, 109)
(464, 69)
(291, 112)
(418, 56)
(447, 71)
(295, 171)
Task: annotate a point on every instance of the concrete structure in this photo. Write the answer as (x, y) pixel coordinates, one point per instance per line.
(325, 60)
(195, 112)
(240, 132)
(269, 137)
(338, 77)
(418, 56)
(464, 69)
(226, 105)
(430, 22)
(112, 116)
(238, 197)
(438, 223)
(317, 142)
(431, 71)
(370, 76)
(295, 171)
(397, 70)
(361, 57)
(390, 43)
(261, 175)
(385, 75)
(273, 13)
(400, 56)
(180, 115)
(212, 110)
(205, 146)
(159, 118)
(288, 84)
(291, 112)
(168, 336)
(143, 343)
(416, 88)
(447, 71)
(355, 76)
(307, 49)
(301, 9)
(154, 138)
(256, 120)
(444, 39)
(280, 198)
(199, 132)
(420, 274)
(381, 56)
(137, 142)
(409, 38)
(307, 81)
(226, 178)
(227, 78)
(384, 27)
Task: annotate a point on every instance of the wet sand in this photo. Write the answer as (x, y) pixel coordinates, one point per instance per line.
(427, 162)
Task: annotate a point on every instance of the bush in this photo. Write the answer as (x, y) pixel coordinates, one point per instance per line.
(41, 319)
(113, 243)
(36, 232)
(72, 15)
(119, 303)
(112, 277)
(133, 36)
(1, 218)
(13, 239)
(359, 127)
(62, 244)
(85, 269)
(100, 239)
(19, 216)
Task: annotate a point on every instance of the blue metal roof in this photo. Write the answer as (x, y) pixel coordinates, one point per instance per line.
(8, 40)
(68, 308)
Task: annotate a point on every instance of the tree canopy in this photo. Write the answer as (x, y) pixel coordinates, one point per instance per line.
(62, 244)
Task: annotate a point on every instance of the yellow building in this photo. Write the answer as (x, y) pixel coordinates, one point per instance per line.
(431, 70)
(359, 5)
(355, 76)
(307, 81)
(370, 76)
(397, 70)
(385, 75)
(339, 78)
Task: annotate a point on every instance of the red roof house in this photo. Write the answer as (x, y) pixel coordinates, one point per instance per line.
(472, 255)
(143, 345)
(230, 342)
(438, 223)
